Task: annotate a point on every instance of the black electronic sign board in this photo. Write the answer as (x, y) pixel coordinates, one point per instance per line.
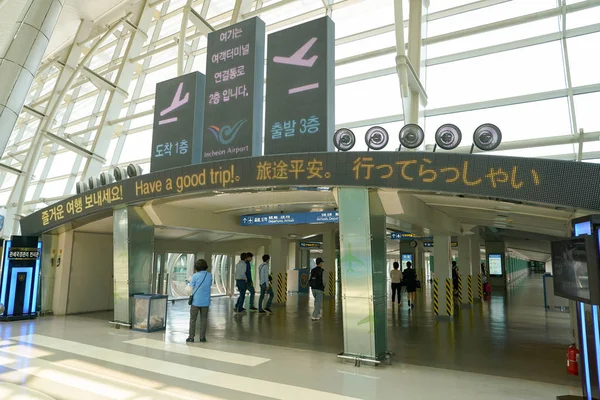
(176, 137)
(300, 105)
(235, 69)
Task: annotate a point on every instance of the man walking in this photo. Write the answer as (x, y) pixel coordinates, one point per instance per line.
(265, 286)
(318, 287)
(240, 282)
(249, 282)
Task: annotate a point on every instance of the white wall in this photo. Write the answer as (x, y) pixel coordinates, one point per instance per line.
(91, 280)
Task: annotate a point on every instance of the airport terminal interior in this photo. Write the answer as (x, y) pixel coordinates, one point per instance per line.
(414, 180)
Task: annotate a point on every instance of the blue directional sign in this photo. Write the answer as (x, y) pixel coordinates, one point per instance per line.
(322, 217)
(408, 236)
(290, 218)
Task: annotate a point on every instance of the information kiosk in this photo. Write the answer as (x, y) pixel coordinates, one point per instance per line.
(20, 277)
(576, 271)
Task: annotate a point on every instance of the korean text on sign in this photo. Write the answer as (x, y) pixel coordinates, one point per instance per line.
(170, 148)
(228, 95)
(76, 206)
(302, 126)
(224, 56)
(230, 34)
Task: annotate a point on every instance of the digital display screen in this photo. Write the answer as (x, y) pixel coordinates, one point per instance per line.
(300, 89)
(177, 131)
(495, 264)
(233, 113)
(23, 254)
(406, 257)
(583, 228)
(570, 269)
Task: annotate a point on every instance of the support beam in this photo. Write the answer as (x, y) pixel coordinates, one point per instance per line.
(126, 72)
(66, 77)
(242, 7)
(21, 58)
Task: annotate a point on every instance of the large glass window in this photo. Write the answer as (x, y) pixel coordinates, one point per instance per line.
(471, 79)
(512, 73)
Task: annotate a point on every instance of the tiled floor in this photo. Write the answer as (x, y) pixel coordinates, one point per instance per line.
(507, 348)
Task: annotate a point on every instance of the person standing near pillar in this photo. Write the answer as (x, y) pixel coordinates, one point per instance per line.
(318, 287)
(249, 281)
(265, 286)
(396, 277)
(200, 285)
(241, 283)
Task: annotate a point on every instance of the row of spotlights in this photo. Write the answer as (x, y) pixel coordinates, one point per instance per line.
(106, 178)
(448, 136)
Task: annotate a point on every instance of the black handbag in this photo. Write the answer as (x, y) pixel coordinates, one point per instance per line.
(418, 284)
(191, 299)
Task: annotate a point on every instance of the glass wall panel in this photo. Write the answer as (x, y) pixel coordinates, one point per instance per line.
(137, 147)
(521, 121)
(584, 53)
(62, 164)
(511, 73)
(486, 15)
(367, 99)
(586, 111)
(495, 37)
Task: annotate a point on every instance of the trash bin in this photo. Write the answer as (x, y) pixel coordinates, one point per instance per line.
(149, 312)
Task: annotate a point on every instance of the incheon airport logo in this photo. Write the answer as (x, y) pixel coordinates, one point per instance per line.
(226, 134)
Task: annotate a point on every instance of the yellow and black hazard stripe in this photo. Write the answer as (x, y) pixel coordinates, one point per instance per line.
(331, 283)
(459, 281)
(449, 298)
(480, 286)
(280, 288)
(436, 297)
(470, 288)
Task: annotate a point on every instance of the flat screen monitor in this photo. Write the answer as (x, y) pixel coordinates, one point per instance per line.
(406, 257)
(583, 228)
(574, 272)
(495, 264)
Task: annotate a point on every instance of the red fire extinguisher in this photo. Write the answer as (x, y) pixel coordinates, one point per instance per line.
(573, 360)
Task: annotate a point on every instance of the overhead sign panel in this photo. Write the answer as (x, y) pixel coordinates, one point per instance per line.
(177, 131)
(300, 89)
(235, 69)
(290, 218)
(534, 180)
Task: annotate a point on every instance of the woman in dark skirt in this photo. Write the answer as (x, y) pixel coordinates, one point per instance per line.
(409, 279)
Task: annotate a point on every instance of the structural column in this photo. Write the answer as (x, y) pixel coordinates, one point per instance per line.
(133, 245)
(279, 265)
(467, 268)
(476, 267)
(363, 273)
(329, 256)
(443, 299)
(20, 60)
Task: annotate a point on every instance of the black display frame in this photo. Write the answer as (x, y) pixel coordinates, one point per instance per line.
(591, 250)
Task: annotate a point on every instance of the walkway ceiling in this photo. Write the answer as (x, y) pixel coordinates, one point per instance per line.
(525, 228)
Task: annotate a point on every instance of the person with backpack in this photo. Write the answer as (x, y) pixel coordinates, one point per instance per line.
(264, 278)
(200, 300)
(318, 288)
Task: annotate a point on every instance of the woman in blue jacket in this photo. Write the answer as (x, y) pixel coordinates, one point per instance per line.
(201, 283)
